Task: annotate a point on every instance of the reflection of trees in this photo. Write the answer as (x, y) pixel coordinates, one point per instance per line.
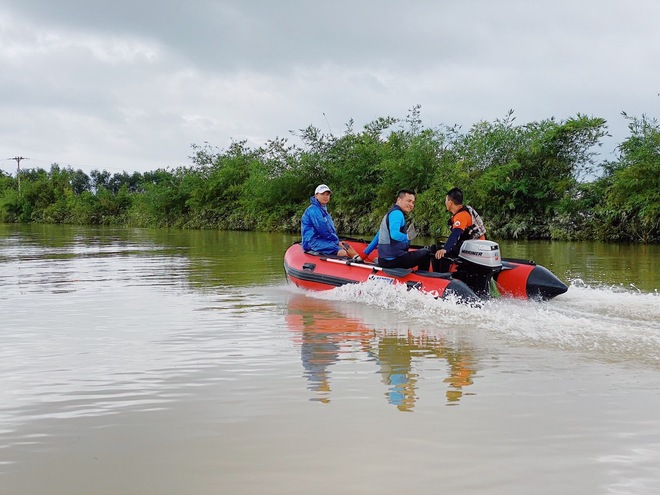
(203, 259)
(326, 334)
(228, 257)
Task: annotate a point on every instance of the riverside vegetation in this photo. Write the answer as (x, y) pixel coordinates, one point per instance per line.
(538, 180)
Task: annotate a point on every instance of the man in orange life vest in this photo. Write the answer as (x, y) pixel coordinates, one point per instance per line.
(462, 225)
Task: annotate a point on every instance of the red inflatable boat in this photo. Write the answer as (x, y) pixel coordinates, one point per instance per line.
(477, 273)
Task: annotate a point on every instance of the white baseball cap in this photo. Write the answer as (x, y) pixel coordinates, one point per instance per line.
(321, 189)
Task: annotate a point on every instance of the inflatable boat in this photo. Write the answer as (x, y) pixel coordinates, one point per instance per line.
(478, 273)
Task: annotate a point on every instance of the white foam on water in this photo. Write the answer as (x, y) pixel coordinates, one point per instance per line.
(608, 323)
(414, 304)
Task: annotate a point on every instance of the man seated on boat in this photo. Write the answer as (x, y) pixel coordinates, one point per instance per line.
(465, 223)
(394, 236)
(318, 229)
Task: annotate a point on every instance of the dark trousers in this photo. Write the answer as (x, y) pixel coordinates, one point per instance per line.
(420, 259)
(442, 265)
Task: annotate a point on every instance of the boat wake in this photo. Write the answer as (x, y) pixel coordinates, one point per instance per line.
(604, 323)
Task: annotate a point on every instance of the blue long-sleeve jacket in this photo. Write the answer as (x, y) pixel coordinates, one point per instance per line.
(318, 229)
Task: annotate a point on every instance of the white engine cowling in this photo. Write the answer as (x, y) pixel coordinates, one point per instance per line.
(483, 253)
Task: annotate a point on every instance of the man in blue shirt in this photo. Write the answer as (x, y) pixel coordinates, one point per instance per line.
(394, 236)
(318, 229)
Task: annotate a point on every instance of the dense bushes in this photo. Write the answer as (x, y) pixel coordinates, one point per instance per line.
(535, 180)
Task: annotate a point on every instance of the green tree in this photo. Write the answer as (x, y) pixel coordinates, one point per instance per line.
(522, 197)
(631, 188)
(527, 180)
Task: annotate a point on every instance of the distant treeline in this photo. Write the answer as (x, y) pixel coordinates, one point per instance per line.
(538, 180)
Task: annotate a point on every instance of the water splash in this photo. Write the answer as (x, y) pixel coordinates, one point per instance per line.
(606, 323)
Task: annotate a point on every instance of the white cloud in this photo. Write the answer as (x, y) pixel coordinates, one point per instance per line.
(131, 85)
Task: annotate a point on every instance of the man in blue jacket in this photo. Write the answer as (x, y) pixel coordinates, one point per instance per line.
(393, 238)
(318, 229)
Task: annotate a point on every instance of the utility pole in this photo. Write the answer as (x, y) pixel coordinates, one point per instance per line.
(18, 169)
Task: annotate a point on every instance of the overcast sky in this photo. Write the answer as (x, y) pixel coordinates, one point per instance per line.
(129, 85)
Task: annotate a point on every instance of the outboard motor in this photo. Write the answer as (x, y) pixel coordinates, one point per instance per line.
(478, 261)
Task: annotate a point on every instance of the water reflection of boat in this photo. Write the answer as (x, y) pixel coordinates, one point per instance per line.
(477, 271)
(326, 335)
(397, 357)
(321, 332)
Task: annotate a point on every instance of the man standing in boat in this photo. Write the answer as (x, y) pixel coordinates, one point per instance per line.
(465, 223)
(318, 229)
(394, 236)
